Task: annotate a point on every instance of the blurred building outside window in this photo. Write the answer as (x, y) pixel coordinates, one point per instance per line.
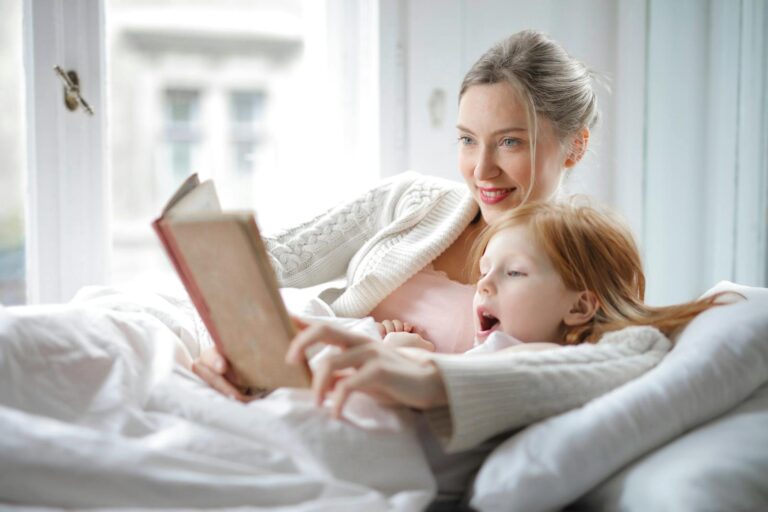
(182, 131)
(248, 128)
(235, 90)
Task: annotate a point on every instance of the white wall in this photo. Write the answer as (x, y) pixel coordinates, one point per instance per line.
(680, 149)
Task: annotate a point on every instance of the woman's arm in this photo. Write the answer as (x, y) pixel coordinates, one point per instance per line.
(470, 399)
(388, 373)
(492, 393)
(321, 249)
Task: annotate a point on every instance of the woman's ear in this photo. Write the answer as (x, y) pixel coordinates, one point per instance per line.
(578, 148)
(583, 309)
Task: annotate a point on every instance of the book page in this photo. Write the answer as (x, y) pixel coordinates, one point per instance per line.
(193, 197)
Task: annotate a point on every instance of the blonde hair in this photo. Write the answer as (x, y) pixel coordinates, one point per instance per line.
(595, 251)
(549, 82)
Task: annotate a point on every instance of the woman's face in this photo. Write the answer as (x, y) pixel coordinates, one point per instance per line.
(495, 150)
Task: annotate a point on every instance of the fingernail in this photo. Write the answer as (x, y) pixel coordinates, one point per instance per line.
(219, 365)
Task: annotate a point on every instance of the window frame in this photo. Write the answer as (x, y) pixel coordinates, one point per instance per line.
(68, 198)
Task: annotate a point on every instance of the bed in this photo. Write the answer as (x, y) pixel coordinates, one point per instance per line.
(99, 410)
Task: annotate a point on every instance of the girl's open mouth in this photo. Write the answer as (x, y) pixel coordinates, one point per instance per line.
(488, 323)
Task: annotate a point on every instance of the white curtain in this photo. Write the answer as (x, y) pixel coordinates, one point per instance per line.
(705, 173)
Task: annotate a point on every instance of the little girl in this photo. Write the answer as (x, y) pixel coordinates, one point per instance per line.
(556, 274)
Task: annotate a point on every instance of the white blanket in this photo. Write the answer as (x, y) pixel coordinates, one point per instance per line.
(97, 409)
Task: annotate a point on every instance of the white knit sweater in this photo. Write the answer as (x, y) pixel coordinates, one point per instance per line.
(381, 239)
(377, 241)
(493, 393)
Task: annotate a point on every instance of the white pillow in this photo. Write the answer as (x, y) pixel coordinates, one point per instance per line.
(720, 359)
(722, 465)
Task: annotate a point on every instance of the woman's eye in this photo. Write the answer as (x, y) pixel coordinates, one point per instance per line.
(465, 140)
(514, 273)
(510, 142)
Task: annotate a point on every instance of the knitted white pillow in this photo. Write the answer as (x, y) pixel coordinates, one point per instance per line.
(719, 360)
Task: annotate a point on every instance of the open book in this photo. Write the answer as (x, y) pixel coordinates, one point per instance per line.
(222, 262)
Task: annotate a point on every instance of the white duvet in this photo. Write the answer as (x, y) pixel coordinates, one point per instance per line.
(98, 410)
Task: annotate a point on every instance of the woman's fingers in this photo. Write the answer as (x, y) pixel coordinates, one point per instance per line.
(366, 380)
(326, 373)
(322, 333)
(211, 358)
(217, 381)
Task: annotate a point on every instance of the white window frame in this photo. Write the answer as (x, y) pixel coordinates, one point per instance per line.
(68, 194)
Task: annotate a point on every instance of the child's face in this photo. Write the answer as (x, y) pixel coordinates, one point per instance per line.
(519, 292)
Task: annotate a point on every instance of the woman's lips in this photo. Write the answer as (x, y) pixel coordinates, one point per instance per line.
(494, 195)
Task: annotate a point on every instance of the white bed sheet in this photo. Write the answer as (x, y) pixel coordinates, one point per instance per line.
(97, 409)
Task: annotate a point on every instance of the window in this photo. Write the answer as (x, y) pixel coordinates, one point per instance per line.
(12, 156)
(247, 118)
(236, 91)
(182, 131)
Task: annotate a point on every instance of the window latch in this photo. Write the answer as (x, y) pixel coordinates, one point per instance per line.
(72, 97)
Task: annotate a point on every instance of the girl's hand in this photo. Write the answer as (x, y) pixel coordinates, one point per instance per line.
(409, 340)
(390, 326)
(216, 371)
(384, 372)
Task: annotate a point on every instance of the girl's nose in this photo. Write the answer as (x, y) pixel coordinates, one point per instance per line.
(485, 285)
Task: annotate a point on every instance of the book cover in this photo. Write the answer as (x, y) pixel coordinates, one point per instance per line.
(223, 264)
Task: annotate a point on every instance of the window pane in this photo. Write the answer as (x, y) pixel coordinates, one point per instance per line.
(241, 91)
(12, 156)
(190, 86)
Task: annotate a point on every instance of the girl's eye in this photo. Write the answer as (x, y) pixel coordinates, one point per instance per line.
(514, 273)
(465, 140)
(510, 142)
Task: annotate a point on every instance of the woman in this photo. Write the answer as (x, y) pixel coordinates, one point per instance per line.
(525, 111)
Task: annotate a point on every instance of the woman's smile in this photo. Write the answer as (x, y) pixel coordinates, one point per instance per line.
(494, 195)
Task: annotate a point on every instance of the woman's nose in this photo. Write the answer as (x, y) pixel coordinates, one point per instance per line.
(486, 167)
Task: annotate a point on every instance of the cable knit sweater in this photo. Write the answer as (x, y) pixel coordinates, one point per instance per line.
(378, 241)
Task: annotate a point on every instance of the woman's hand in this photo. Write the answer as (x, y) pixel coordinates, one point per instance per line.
(214, 369)
(388, 374)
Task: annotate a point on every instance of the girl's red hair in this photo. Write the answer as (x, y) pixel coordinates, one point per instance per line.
(594, 250)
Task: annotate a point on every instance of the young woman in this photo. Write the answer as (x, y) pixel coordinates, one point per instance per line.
(525, 111)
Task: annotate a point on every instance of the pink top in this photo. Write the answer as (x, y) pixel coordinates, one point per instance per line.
(439, 307)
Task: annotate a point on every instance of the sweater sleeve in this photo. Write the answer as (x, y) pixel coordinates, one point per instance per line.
(493, 393)
(320, 250)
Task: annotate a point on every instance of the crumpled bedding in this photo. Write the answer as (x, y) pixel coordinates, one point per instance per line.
(98, 409)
